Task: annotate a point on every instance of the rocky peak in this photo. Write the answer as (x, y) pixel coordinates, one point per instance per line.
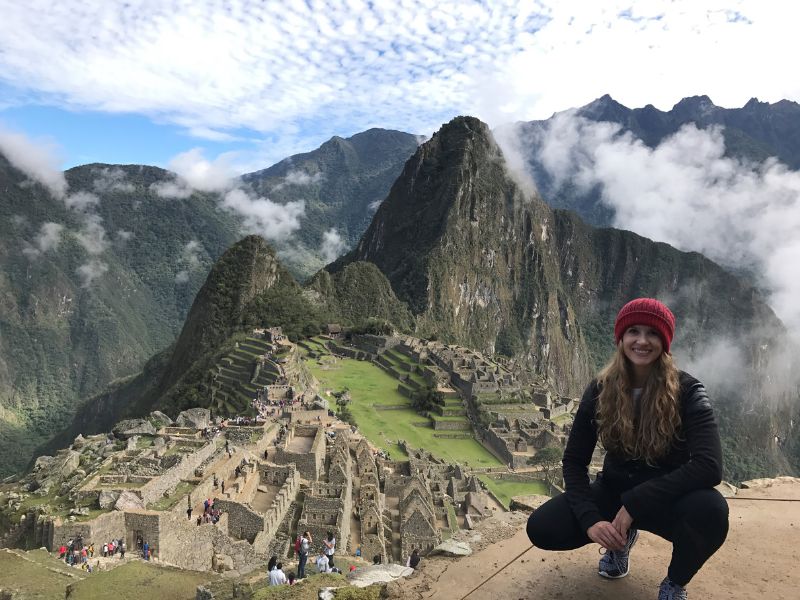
(695, 108)
(605, 108)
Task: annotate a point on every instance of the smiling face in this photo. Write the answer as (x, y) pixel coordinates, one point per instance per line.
(642, 346)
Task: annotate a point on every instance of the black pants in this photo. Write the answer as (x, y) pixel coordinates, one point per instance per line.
(696, 524)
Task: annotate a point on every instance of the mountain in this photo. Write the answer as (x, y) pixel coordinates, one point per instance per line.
(63, 337)
(754, 132)
(341, 183)
(63, 340)
(483, 263)
(247, 288)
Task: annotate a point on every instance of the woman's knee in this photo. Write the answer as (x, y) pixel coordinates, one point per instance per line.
(540, 531)
(707, 511)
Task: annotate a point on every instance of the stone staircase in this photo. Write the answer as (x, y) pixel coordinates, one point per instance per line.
(239, 375)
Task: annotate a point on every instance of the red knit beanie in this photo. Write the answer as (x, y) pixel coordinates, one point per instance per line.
(649, 312)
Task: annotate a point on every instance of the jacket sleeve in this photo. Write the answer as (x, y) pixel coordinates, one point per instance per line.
(578, 454)
(703, 469)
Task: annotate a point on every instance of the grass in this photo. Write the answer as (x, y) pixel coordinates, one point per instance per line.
(32, 581)
(505, 490)
(369, 385)
(138, 578)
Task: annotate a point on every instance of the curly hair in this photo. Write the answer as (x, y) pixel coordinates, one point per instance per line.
(642, 430)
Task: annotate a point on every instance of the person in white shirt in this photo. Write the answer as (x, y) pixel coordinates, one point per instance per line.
(322, 563)
(277, 576)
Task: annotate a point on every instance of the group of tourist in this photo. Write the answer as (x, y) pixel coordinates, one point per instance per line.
(76, 553)
(210, 514)
(276, 574)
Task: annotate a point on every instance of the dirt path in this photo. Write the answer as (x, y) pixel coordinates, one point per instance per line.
(760, 559)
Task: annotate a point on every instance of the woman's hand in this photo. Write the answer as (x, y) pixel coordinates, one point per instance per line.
(605, 534)
(622, 522)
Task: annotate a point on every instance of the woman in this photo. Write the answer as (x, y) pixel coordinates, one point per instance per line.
(330, 547)
(663, 459)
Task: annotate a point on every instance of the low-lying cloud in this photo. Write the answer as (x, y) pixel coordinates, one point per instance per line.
(111, 179)
(688, 193)
(190, 260)
(333, 246)
(90, 271)
(273, 221)
(48, 238)
(37, 159)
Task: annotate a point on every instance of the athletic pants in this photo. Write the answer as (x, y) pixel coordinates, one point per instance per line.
(696, 524)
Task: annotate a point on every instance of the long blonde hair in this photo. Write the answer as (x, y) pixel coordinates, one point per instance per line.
(643, 429)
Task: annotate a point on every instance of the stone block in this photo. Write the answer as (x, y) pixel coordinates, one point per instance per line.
(128, 501)
(198, 418)
(452, 548)
(107, 499)
(159, 419)
(131, 427)
(221, 563)
(378, 574)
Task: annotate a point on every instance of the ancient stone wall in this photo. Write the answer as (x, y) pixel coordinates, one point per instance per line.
(498, 444)
(102, 529)
(243, 522)
(148, 525)
(310, 463)
(152, 491)
(440, 425)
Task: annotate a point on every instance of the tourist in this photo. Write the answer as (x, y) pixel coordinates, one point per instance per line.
(662, 463)
(277, 576)
(189, 513)
(291, 577)
(105, 549)
(413, 559)
(223, 487)
(272, 562)
(329, 545)
(322, 562)
(146, 551)
(305, 546)
(122, 549)
(91, 550)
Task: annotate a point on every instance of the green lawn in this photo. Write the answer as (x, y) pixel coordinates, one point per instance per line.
(165, 503)
(33, 581)
(370, 385)
(139, 578)
(505, 490)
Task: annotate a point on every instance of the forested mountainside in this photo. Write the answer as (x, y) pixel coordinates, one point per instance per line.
(90, 291)
(95, 282)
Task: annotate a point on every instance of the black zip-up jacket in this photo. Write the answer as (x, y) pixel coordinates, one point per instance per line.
(693, 462)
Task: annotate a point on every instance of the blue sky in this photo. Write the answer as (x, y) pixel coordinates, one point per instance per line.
(145, 80)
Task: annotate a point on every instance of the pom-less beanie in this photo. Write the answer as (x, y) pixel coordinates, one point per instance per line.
(648, 312)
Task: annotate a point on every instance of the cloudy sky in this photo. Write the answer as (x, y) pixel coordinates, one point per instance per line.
(142, 81)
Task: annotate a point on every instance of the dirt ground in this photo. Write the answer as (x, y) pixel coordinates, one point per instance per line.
(760, 559)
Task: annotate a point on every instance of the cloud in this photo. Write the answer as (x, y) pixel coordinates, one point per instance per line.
(124, 236)
(171, 189)
(37, 159)
(194, 172)
(81, 201)
(90, 271)
(273, 221)
(323, 67)
(297, 177)
(333, 245)
(48, 238)
(93, 235)
(111, 179)
(190, 259)
(688, 193)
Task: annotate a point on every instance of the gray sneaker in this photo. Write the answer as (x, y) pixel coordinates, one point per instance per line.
(615, 565)
(671, 591)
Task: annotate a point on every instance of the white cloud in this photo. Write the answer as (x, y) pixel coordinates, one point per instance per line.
(687, 193)
(273, 221)
(123, 235)
(93, 236)
(201, 174)
(171, 189)
(81, 201)
(111, 179)
(90, 271)
(333, 245)
(48, 238)
(190, 258)
(37, 159)
(285, 70)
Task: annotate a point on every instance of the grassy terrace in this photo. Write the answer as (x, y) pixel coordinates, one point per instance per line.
(369, 387)
(505, 490)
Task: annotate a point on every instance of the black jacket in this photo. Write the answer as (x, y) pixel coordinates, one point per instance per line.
(693, 462)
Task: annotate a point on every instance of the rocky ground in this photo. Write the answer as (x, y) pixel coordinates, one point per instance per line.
(759, 560)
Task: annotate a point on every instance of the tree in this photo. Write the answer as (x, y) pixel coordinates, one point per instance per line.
(549, 459)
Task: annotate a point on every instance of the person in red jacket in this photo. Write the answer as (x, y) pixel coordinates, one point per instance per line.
(663, 459)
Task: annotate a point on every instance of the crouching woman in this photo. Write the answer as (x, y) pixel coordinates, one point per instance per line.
(663, 459)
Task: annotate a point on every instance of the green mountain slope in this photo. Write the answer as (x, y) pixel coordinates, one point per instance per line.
(62, 340)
